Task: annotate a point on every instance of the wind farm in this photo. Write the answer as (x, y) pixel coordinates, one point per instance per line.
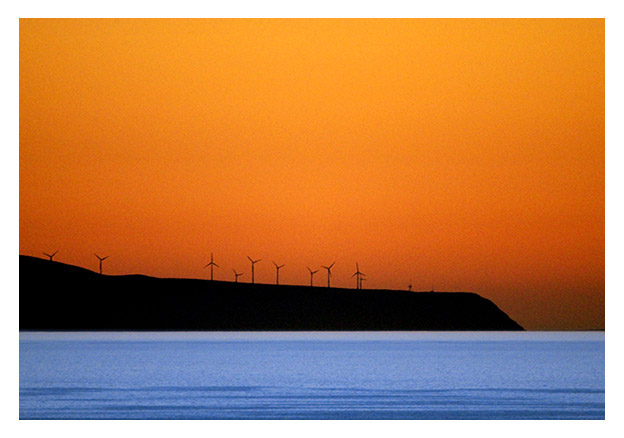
(230, 177)
(374, 141)
(194, 304)
(211, 264)
(79, 299)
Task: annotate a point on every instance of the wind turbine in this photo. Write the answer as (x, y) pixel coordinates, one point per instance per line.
(212, 264)
(328, 272)
(253, 262)
(236, 275)
(51, 255)
(409, 286)
(312, 276)
(277, 268)
(358, 275)
(101, 259)
(362, 275)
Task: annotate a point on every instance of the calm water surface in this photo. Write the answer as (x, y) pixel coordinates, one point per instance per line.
(312, 375)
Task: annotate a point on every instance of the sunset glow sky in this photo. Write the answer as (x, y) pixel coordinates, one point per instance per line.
(459, 155)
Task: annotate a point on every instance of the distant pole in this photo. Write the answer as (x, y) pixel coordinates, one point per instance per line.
(277, 268)
(101, 259)
(409, 287)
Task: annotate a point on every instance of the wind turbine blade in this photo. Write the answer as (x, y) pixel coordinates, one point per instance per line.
(96, 255)
(216, 265)
(330, 266)
(250, 259)
(54, 253)
(355, 274)
(309, 269)
(105, 257)
(46, 254)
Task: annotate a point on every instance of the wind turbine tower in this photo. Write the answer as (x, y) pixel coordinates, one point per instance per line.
(253, 262)
(236, 275)
(277, 268)
(328, 273)
(312, 276)
(212, 264)
(101, 259)
(358, 277)
(51, 256)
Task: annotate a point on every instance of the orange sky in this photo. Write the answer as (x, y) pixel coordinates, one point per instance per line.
(463, 155)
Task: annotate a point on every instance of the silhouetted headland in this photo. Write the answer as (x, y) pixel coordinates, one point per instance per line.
(57, 296)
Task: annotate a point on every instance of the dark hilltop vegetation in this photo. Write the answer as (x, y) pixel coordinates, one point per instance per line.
(57, 296)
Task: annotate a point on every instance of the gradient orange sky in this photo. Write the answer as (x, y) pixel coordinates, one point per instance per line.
(459, 155)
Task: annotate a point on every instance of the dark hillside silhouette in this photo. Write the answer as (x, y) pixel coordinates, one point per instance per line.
(74, 298)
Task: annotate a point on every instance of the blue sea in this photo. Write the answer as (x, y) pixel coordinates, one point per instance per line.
(312, 375)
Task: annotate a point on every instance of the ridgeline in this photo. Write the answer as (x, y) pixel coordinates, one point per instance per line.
(57, 296)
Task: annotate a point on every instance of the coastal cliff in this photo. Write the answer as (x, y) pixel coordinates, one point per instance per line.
(57, 296)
